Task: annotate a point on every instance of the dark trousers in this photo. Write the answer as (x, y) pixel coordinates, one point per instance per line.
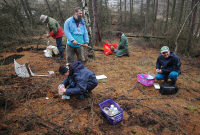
(71, 51)
(60, 46)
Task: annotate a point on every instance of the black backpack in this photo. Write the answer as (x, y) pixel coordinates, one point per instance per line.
(168, 89)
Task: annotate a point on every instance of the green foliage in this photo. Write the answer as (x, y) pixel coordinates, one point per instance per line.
(75, 132)
(192, 108)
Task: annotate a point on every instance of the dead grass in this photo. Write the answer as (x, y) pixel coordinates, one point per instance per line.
(146, 111)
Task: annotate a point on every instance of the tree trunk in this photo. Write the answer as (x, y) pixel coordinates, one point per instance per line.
(106, 4)
(192, 23)
(154, 1)
(50, 11)
(60, 12)
(167, 13)
(25, 10)
(85, 4)
(141, 8)
(197, 30)
(173, 10)
(198, 27)
(29, 11)
(108, 13)
(176, 41)
(131, 12)
(120, 10)
(79, 3)
(96, 30)
(17, 18)
(181, 11)
(125, 12)
(146, 17)
(155, 16)
(88, 53)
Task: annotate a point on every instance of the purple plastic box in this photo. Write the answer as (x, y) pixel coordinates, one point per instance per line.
(116, 118)
(141, 78)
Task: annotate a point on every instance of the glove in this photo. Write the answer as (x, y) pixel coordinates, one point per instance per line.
(115, 51)
(112, 48)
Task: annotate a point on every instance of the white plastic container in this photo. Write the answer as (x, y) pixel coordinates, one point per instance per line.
(107, 111)
(61, 89)
(115, 111)
(65, 97)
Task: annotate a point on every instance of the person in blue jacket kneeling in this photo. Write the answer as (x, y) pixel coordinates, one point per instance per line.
(168, 66)
(78, 79)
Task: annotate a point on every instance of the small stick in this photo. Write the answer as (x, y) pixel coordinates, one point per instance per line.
(138, 99)
(54, 129)
(92, 111)
(85, 45)
(29, 72)
(74, 114)
(157, 113)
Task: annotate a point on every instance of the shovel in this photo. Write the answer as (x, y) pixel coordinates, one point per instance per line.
(85, 45)
(90, 47)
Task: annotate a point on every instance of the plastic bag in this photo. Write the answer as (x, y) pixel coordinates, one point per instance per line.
(55, 50)
(48, 53)
(50, 50)
(107, 48)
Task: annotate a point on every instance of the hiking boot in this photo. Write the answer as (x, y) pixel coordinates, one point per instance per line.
(87, 95)
(172, 83)
(166, 81)
(127, 54)
(81, 97)
(59, 58)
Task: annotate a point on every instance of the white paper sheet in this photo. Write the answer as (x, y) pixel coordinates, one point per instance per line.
(101, 77)
(156, 86)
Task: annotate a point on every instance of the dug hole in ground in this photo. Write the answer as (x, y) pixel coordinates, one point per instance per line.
(24, 108)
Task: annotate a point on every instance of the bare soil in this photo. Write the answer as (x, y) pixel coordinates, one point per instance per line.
(25, 110)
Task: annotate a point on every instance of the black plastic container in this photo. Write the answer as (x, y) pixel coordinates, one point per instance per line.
(168, 89)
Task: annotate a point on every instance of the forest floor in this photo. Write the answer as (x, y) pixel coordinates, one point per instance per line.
(24, 108)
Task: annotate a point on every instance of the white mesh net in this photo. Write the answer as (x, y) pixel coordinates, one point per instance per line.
(21, 70)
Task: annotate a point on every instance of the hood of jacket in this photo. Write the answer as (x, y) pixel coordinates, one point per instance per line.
(77, 65)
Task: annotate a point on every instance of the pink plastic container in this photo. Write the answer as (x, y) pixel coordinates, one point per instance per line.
(142, 78)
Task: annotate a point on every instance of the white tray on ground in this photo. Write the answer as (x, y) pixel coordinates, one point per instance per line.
(156, 86)
(101, 77)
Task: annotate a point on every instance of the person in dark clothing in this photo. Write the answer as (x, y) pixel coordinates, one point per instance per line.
(168, 66)
(79, 80)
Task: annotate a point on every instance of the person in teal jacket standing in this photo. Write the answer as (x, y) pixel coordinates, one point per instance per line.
(76, 33)
(122, 49)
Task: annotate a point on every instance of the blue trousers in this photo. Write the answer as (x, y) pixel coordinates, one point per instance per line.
(60, 46)
(172, 75)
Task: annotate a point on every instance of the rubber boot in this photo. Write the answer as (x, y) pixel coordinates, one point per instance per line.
(165, 80)
(173, 82)
(81, 97)
(61, 56)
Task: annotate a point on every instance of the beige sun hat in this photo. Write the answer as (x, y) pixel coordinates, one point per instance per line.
(43, 18)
